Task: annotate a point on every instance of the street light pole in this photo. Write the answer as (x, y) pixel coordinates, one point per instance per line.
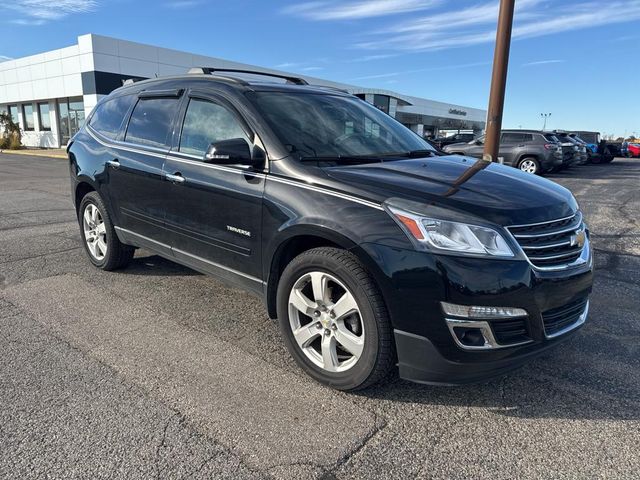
(498, 80)
(545, 115)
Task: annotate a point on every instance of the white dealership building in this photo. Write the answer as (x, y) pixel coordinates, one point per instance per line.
(51, 93)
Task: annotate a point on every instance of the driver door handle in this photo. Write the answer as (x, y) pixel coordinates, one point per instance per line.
(175, 178)
(113, 163)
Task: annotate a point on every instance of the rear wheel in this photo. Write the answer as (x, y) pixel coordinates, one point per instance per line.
(99, 237)
(529, 165)
(333, 319)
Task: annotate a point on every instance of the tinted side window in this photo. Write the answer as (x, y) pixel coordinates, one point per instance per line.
(511, 137)
(150, 122)
(527, 137)
(205, 123)
(109, 115)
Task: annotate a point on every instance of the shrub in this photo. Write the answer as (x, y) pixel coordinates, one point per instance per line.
(10, 135)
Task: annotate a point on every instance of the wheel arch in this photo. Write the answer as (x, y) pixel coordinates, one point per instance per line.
(299, 239)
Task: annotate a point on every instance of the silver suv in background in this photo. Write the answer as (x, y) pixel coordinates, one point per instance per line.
(531, 151)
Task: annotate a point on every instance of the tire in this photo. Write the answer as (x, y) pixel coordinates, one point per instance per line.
(529, 165)
(105, 251)
(369, 355)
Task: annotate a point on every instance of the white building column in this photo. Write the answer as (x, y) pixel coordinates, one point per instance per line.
(418, 128)
(393, 106)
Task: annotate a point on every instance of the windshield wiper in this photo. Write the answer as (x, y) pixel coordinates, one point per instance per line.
(418, 153)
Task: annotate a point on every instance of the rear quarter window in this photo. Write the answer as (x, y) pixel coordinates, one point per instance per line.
(108, 117)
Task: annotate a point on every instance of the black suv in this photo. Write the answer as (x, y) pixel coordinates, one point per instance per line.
(371, 251)
(528, 150)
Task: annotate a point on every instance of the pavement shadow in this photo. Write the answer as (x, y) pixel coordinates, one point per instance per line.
(544, 388)
(147, 264)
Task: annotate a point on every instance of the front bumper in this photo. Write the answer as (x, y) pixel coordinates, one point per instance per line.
(427, 351)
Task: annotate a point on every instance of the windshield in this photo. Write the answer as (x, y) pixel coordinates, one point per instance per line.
(334, 126)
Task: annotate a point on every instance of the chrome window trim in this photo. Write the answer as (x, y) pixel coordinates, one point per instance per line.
(238, 171)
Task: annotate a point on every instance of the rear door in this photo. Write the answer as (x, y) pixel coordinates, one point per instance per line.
(136, 183)
(511, 145)
(214, 212)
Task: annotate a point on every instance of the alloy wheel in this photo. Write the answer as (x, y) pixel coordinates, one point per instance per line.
(326, 321)
(528, 166)
(95, 233)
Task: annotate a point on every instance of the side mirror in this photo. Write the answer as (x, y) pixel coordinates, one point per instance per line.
(234, 151)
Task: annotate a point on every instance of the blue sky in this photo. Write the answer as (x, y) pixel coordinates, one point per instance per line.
(577, 59)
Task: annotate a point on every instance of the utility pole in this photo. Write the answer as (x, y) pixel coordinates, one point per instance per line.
(498, 80)
(545, 115)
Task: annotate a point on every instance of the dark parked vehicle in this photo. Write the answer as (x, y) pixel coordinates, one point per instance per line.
(442, 142)
(531, 151)
(580, 149)
(371, 251)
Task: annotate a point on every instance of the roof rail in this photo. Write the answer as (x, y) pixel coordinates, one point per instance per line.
(211, 70)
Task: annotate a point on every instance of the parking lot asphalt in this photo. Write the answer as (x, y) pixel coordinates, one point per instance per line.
(158, 371)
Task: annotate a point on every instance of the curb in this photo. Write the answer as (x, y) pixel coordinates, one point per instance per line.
(34, 153)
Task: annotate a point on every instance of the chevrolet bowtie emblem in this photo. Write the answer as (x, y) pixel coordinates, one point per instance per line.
(578, 238)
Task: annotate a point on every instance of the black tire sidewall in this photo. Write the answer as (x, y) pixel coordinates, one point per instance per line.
(360, 372)
(94, 199)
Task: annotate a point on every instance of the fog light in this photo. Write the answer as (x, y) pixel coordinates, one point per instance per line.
(479, 312)
(470, 337)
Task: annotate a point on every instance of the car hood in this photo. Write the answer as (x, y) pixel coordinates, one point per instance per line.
(492, 192)
(457, 144)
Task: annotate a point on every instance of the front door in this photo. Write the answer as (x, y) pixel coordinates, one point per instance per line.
(214, 212)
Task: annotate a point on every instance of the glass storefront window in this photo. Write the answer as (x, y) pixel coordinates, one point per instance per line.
(27, 116)
(71, 116)
(382, 102)
(13, 112)
(43, 115)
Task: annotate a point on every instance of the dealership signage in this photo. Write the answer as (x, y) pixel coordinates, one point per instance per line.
(455, 111)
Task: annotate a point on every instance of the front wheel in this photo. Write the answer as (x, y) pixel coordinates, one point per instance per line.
(99, 237)
(529, 165)
(333, 319)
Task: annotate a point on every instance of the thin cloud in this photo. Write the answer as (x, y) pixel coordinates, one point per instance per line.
(37, 12)
(340, 10)
(180, 4)
(475, 24)
(371, 58)
(4, 58)
(311, 69)
(541, 62)
(422, 70)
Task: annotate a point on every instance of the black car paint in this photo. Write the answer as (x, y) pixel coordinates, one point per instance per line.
(287, 201)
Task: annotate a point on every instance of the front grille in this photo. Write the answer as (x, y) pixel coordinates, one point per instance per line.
(559, 319)
(552, 244)
(509, 332)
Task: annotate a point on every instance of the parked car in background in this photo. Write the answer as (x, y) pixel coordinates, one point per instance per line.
(591, 138)
(633, 150)
(442, 142)
(531, 151)
(581, 155)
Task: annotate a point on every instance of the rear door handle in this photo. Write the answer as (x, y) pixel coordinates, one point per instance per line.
(113, 163)
(175, 178)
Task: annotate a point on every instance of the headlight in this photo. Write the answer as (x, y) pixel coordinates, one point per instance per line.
(448, 237)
